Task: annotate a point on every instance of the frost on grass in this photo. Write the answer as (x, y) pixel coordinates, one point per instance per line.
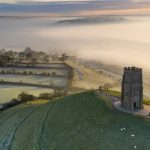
(132, 135)
(122, 129)
(38, 131)
(135, 147)
(6, 142)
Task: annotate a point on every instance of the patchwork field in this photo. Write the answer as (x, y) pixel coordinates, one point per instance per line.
(77, 122)
(9, 92)
(12, 74)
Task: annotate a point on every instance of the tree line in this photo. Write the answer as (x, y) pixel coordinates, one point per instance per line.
(53, 74)
(29, 56)
(24, 97)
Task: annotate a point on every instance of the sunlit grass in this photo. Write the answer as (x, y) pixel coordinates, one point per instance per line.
(146, 101)
(7, 93)
(114, 93)
(38, 102)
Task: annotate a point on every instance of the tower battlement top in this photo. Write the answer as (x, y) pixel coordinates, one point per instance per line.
(127, 69)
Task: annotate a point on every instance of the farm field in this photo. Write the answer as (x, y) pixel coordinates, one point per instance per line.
(43, 80)
(7, 93)
(77, 122)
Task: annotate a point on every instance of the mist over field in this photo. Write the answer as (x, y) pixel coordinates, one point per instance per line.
(115, 40)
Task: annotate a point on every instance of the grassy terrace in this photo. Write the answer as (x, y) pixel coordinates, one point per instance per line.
(118, 94)
(78, 122)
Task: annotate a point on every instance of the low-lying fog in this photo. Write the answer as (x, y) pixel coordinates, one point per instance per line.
(125, 41)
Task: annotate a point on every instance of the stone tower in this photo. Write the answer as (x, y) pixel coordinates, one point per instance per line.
(132, 88)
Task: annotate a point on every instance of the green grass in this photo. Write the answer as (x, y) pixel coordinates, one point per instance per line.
(146, 102)
(78, 122)
(114, 93)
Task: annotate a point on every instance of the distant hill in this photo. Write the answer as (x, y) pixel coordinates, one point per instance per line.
(78, 122)
(92, 20)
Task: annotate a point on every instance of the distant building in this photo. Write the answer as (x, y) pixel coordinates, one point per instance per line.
(132, 88)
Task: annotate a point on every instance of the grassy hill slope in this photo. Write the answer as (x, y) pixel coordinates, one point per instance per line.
(77, 122)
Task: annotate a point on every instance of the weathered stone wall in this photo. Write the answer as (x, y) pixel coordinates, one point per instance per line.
(132, 88)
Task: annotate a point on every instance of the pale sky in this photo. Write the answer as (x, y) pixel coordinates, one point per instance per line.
(15, 1)
(75, 7)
